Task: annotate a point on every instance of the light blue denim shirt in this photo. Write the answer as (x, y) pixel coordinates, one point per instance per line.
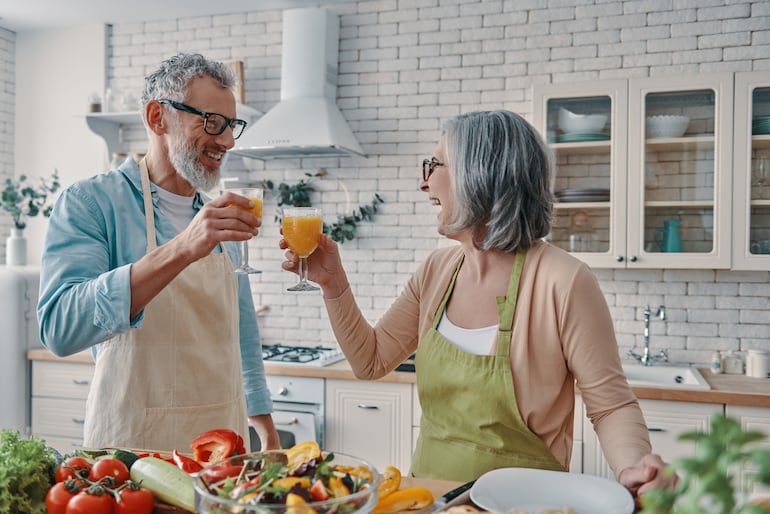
(96, 231)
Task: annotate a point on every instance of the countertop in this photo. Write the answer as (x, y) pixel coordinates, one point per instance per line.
(727, 389)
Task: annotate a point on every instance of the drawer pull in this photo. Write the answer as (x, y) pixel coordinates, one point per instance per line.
(80, 382)
(653, 429)
(292, 421)
(367, 407)
(79, 421)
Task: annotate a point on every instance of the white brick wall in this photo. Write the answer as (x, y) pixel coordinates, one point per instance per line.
(405, 66)
(7, 114)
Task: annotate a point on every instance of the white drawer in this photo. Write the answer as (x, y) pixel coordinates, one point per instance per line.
(61, 379)
(61, 418)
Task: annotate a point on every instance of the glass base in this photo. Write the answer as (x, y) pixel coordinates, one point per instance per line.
(303, 286)
(245, 270)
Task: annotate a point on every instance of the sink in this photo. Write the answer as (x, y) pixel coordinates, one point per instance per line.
(669, 377)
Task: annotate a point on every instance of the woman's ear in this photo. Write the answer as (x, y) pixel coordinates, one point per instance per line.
(155, 115)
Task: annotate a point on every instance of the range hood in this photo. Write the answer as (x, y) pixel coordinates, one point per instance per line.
(306, 122)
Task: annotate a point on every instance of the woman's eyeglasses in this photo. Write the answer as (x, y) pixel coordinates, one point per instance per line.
(213, 123)
(428, 167)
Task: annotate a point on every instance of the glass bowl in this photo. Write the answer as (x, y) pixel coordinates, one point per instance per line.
(212, 478)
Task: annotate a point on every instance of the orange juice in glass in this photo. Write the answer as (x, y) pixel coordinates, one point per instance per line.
(255, 194)
(302, 227)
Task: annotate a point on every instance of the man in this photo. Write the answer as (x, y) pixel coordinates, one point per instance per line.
(136, 266)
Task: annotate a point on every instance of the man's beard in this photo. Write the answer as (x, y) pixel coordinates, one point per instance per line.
(184, 157)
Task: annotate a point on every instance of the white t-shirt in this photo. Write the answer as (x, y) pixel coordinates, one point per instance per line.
(477, 341)
(177, 209)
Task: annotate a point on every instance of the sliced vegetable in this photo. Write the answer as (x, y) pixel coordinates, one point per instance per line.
(216, 445)
(318, 491)
(296, 504)
(390, 482)
(301, 453)
(166, 481)
(405, 499)
(185, 463)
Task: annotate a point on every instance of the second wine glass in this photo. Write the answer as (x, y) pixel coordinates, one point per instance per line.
(254, 194)
(302, 227)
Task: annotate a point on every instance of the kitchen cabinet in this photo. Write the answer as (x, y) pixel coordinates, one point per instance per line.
(751, 193)
(666, 420)
(371, 419)
(629, 197)
(59, 392)
(751, 418)
(124, 132)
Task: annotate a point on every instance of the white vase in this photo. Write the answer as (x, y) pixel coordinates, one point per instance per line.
(16, 248)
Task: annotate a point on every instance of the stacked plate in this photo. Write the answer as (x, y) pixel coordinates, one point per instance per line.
(581, 138)
(582, 195)
(760, 125)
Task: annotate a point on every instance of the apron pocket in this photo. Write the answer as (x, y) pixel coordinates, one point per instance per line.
(168, 428)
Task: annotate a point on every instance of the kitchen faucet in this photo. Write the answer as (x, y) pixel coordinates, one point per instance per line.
(645, 358)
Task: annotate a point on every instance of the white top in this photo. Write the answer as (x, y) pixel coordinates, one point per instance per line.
(177, 209)
(477, 341)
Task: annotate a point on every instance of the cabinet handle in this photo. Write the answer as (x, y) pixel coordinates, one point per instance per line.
(367, 407)
(653, 429)
(80, 382)
(79, 421)
(619, 258)
(292, 421)
(634, 258)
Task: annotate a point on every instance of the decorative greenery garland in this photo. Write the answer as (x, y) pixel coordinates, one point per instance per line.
(298, 195)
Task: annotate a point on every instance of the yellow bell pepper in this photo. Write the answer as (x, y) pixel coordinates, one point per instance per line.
(390, 481)
(410, 498)
(296, 504)
(301, 453)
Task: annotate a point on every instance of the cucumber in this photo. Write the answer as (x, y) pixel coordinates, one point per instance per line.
(126, 457)
(166, 481)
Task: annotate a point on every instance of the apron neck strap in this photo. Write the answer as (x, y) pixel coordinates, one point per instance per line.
(149, 213)
(506, 305)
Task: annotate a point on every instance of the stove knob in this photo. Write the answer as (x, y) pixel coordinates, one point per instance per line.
(284, 391)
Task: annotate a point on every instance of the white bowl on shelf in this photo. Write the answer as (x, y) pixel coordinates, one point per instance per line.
(571, 123)
(666, 125)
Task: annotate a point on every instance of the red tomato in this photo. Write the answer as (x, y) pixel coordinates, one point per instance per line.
(74, 467)
(109, 468)
(318, 491)
(57, 498)
(85, 503)
(135, 501)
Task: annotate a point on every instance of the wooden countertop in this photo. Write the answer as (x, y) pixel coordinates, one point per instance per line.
(727, 389)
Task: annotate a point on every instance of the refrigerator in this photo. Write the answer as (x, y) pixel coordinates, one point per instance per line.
(19, 289)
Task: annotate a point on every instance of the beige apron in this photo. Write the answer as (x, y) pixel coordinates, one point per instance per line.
(470, 419)
(159, 386)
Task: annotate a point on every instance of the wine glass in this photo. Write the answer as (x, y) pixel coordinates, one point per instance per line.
(761, 175)
(254, 194)
(302, 227)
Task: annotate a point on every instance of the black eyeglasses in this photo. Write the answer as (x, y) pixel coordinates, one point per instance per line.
(429, 166)
(213, 123)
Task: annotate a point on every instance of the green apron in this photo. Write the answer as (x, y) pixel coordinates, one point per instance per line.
(470, 420)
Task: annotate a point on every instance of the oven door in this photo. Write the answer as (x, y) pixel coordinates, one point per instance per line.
(294, 426)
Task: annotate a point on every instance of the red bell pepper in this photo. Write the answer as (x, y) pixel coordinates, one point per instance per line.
(216, 445)
(185, 463)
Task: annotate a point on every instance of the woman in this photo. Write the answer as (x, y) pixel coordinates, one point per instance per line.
(503, 324)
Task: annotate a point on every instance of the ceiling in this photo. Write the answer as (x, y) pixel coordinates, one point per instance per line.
(24, 15)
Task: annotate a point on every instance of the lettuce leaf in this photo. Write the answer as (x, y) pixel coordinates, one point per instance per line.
(26, 471)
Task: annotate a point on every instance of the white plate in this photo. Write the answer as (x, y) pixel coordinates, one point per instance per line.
(531, 490)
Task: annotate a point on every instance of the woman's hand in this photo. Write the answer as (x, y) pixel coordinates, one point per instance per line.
(324, 266)
(647, 474)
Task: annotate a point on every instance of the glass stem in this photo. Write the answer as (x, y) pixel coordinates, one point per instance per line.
(244, 254)
(302, 270)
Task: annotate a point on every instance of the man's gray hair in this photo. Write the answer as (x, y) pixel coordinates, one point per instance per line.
(501, 174)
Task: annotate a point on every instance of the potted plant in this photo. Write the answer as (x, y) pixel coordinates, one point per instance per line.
(23, 201)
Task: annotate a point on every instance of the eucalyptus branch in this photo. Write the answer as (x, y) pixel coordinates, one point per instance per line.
(298, 195)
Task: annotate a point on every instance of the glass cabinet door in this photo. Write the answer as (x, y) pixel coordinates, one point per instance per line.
(679, 188)
(751, 214)
(584, 126)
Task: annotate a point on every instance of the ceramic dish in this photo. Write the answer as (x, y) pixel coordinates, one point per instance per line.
(532, 490)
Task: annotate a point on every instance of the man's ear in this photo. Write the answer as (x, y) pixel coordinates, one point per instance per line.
(155, 115)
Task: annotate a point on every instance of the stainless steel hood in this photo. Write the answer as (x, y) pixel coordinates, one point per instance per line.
(306, 122)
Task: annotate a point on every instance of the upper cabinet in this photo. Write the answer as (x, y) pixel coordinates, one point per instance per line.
(643, 170)
(124, 131)
(751, 195)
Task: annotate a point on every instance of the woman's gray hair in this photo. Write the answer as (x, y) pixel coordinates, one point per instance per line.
(501, 176)
(171, 80)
